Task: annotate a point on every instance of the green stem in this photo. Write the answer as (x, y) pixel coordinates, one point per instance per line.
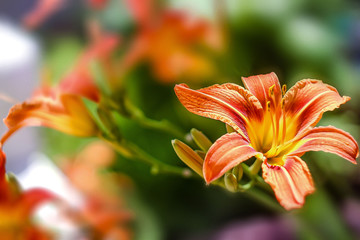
(247, 186)
(259, 181)
(255, 167)
(264, 199)
(257, 195)
(163, 125)
(132, 151)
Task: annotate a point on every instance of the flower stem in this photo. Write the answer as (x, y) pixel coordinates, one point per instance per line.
(132, 151)
(257, 195)
(264, 199)
(163, 125)
(255, 167)
(259, 181)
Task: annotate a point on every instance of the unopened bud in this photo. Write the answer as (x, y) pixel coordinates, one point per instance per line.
(238, 172)
(201, 153)
(200, 139)
(188, 156)
(13, 183)
(231, 183)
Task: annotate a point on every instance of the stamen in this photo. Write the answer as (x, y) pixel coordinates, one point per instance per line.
(283, 89)
(273, 126)
(275, 132)
(271, 90)
(283, 121)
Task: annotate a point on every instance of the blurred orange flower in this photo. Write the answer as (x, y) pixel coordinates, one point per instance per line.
(104, 211)
(42, 10)
(55, 109)
(17, 208)
(174, 43)
(62, 107)
(277, 130)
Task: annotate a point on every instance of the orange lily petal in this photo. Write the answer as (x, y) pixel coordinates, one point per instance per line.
(307, 100)
(180, 62)
(42, 10)
(290, 182)
(228, 103)
(102, 48)
(227, 152)
(259, 86)
(3, 182)
(67, 114)
(329, 139)
(31, 199)
(80, 84)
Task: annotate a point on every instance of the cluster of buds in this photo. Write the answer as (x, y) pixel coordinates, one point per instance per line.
(232, 180)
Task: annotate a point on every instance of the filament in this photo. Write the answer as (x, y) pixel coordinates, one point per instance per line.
(283, 120)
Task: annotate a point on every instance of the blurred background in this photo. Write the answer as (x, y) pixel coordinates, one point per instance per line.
(160, 44)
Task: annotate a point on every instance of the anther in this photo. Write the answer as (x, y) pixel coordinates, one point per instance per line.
(271, 90)
(268, 105)
(283, 89)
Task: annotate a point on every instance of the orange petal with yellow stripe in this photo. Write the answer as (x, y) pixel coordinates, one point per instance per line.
(290, 182)
(228, 103)
(66, 113)
(307, 100)
(260, 85)
(329, 139)
(227, 152)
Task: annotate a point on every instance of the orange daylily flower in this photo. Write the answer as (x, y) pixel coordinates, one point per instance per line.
(62, 107)
(276, 129)
(55, 109)
(17, 208)
(170, 42)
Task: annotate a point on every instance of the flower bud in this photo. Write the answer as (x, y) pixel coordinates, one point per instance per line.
(13, 184)
(201, 140)
(188, 156)
(238, 172)
(231, 183)
(201, 153)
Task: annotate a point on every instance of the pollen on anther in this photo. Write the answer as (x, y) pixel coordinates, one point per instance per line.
(271, 90)
(283, 89)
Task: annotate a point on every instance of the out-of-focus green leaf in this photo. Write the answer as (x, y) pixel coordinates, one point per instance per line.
(320, 219)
